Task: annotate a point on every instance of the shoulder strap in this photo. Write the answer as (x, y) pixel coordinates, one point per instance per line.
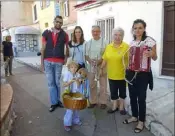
(90, 47)
(102, 42)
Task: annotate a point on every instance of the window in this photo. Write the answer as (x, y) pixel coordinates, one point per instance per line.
(47, 3)
(46, 25)
(41, 4)
(35, 13)
(66, 8)
(106, 25)
(44, 3)
(57, 9)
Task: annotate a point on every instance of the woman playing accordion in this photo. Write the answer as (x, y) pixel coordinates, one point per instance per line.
(138, 72)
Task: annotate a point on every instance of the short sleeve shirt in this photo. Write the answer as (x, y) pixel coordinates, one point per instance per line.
(114, 58)
(95, 48)
(68, 76)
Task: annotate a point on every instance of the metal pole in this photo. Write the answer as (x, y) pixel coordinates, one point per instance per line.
(0, 26)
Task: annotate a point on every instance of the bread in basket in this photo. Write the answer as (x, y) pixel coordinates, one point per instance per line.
(74, 101)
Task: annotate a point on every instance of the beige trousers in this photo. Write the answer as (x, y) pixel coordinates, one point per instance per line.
(94, 96)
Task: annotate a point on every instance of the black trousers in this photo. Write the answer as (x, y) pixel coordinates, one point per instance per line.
(138, 93)
(117, 89)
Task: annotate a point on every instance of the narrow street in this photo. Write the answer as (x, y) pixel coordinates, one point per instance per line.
(33, 119)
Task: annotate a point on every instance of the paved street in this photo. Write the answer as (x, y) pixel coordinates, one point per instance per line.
(33, 119)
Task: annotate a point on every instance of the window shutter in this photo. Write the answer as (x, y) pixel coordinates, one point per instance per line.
(41, 4)
(47, 3)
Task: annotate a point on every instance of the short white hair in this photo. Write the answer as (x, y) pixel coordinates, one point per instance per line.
(96, 26)
(118, 29)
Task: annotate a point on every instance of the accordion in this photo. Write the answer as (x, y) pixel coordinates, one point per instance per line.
(137, 61)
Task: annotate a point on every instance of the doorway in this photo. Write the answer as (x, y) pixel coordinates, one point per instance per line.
(168, 64)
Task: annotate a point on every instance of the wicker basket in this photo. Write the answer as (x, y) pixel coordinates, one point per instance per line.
(74, 104)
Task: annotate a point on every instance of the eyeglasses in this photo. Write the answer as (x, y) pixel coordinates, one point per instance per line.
(59, 22)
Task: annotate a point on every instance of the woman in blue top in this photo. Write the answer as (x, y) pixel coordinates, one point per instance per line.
(76, 47)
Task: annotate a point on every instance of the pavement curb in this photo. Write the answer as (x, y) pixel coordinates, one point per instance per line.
(153, 125)
(7, 112)
(30, 65)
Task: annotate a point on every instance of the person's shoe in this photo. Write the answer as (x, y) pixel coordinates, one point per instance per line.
(67, 128)
(112, 111)
(11, 74)
(60, 105)
(52, 108)
(92, 106)
(79, 123)
(123, 112)
(7, 75)
(103, 106)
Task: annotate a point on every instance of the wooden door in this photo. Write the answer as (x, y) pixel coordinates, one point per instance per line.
(168, 64)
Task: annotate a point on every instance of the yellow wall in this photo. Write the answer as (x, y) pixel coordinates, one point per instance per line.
(45, 15)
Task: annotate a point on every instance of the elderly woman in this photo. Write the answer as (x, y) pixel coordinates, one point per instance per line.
(138, 88)
(113, 58)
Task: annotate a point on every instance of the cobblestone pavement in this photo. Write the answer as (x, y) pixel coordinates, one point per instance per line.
(33, 119)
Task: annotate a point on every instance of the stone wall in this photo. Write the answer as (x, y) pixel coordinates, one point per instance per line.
(7, 114)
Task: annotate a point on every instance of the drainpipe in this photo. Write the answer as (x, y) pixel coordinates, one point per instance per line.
(0, 28)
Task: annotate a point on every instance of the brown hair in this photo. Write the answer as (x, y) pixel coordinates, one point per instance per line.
(6, 38)
(82, 35)
(83, 71)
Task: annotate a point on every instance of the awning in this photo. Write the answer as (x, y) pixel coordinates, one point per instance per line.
(26, 30)
(85, 3)
(5, 33)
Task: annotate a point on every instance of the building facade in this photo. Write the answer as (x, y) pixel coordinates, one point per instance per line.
(69, 14)
(160, 25)
(16, 13)
(17, 21)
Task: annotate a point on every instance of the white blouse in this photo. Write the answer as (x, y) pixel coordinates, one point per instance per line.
(149, 41)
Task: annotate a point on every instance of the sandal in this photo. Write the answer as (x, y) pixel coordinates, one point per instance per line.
(128, 122)
(67, 128)
(122, 112)
(138, 130)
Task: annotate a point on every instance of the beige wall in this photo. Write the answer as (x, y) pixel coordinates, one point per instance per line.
(72, 12)
(72, 18)
(16, 13)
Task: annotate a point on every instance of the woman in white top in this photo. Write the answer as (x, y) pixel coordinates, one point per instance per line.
(138, 88)
(76, 47)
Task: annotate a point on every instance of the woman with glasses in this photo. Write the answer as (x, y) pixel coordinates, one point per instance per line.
(141, 79)
(76, 46)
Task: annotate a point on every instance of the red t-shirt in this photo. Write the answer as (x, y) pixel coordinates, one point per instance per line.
(54, 38)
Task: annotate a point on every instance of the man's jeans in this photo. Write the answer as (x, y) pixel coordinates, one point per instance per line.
(53, 73)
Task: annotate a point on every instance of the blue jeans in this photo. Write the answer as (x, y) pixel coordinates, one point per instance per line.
(71, 116)
(53, 73)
